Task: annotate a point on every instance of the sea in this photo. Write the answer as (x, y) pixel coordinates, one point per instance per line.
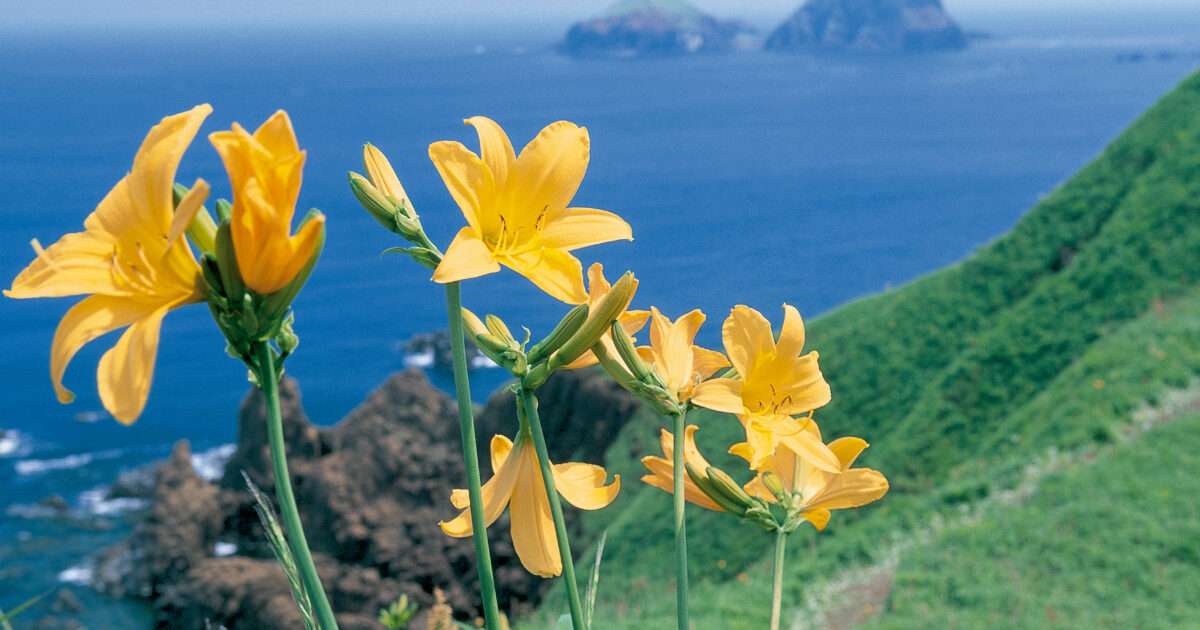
(751, 178)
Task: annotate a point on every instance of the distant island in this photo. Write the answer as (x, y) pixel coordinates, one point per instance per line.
(876, 26)
(651, 28)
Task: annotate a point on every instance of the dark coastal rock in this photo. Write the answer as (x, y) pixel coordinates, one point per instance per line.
(640, 28)
(879, 26)
(371, 491)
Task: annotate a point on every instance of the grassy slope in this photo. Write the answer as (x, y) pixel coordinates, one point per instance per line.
(959, 379)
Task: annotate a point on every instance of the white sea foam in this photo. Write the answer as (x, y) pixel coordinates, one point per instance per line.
(36, 466)
(79, 575)
(482, 361)
(419, 359)
(224, 549)
(210, 464)
(12, 444)
(96, 502)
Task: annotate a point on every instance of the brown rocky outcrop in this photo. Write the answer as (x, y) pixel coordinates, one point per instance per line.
(371, 491)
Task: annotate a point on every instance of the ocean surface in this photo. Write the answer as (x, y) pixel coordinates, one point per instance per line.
(752, 179)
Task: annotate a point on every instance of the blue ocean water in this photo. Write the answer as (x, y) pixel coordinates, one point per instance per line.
(753, 178)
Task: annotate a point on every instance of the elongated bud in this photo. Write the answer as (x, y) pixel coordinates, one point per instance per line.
(473, 324)
(211, 273)
(374, 202)
(629, 355)
(490, 344)
(497, 327)
(276, 304)
(224, 210)
(705, 483)
(202, 230)
(725, 484)
(598, 322)
(566, 327)
(771, 481)
(231, 276)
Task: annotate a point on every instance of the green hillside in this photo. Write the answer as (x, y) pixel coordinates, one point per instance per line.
(1001, 399)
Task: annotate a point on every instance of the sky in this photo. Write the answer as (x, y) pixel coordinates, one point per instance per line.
(55, 15)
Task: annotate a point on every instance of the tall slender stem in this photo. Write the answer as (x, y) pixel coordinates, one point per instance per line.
(265, 361)
(777, 588)
(529, 405)
(466, 422)
(681, 564)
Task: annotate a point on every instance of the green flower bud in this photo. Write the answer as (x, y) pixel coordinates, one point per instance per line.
(566, 327)
(374, 202)
(598, 322)
(496, 326)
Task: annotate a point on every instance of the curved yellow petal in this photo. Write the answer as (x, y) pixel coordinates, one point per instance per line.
(582, 485)
(496, 494)
(847, 449)
(855, 487)
(720, 394)
(91, 317)
(802, 387)
(532, 524)
(467, 257)
(186, 211)
(806, 444)
(819, 518)
(78, 263)
(127, 369)
(382, 175)
(554, 271)
(501, 447)
(494, 147)
(747, 336)
(470, 184)
(706, 362)
(791, 335)
(152, 178)
(548, 171)
(580, 227)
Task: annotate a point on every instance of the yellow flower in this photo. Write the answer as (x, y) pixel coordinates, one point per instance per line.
(819, 491)
(131, 261)
(682, 364)
(516, 208)
(631, 321)
(517, 483)
(774, 383)
(662, 469)
(265, 170)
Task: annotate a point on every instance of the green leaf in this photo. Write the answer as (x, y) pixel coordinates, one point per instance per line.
(593, 581)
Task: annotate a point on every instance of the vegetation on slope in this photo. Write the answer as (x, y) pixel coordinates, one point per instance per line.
(1048, 338)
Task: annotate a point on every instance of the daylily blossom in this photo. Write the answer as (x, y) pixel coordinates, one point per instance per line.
(662, 470)
(631, 321)
(818, 491)
(774, 383)
(671, 352)
(516, 208)
(131, 261)
(265, 170)
(517, 483)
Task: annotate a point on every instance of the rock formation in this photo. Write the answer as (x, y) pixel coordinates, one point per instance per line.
(637, 28)
(371, 491)
(889, 26)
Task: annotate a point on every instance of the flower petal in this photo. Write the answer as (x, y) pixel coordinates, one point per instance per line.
(152, 177)
(706, 362)
(496, 493)
(382, 175)
(580, 227)
(548, 171)
(186, 211)
(554, 271)
(791, 335)
(819, 518)
(582, 485)
(127, 369)
(807, 445)
(720, 394)
(469, 182)
(747, 336)
(78, 263)
(855, 487)
(847, 449)
(533, 534)
(494, 147)
(501, 447)
(87, 320)
(467, 257)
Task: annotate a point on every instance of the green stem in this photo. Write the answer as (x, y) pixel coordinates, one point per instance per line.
(681, 564)
(466, 422)
(529, 405)
(777, 588)
(265, 361)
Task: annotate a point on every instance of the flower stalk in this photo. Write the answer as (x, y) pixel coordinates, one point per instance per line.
(267, 381)
(527, 409)
(466, 421)
(777, 583)
(681, 563)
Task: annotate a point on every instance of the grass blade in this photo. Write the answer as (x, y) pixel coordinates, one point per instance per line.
(283, 553)
(593, 582)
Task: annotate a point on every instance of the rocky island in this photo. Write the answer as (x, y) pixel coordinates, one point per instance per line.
(870, 26)
(650, 28)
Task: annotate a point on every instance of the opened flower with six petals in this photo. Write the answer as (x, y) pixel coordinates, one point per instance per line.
(517, 483)
(516, 208)
(774, 383)
(131, 260)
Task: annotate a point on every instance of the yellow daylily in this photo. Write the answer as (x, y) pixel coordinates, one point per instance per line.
(671, 352)
(517, 483)
(516, 208)
(662, 469)
(131, 262)
(631, 321)
(774, 383)
(265, 170)
(382, 175)
(818, 491)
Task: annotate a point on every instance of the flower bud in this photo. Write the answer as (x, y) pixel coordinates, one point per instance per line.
(496, 326)
(629, 355)
(473, 324)
(566, 327)
(598, 322)
(706, 485)
(374, 202)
